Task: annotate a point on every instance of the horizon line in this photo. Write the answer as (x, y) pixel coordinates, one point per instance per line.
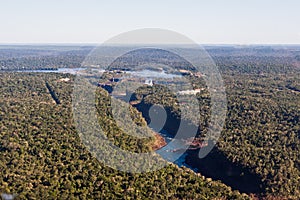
(97, 44)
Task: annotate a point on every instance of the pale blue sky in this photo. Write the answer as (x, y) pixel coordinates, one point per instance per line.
(204, 21)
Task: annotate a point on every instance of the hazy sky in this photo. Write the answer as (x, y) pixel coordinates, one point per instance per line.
(204, 21)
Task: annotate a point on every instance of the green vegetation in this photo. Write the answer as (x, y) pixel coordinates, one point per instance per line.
(43, 157)
(262, 129)
(41, 57)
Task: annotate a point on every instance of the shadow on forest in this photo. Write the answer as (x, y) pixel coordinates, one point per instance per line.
(215, 165)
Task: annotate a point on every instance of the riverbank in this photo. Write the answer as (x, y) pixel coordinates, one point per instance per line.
(159, 142)
(217, 166)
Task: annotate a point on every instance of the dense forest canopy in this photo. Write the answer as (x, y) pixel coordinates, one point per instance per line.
(241, 59)
(42, 155)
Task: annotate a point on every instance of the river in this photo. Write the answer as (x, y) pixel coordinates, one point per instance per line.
(58, 70)
(215, 165)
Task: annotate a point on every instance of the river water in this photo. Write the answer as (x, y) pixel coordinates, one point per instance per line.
(153, 74)
(141, 73)
(215, 165)
(59, 70)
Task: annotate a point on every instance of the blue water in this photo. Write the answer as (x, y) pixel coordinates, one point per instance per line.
(153, 74)
(143, 73)
(167, 152)
(59, 70)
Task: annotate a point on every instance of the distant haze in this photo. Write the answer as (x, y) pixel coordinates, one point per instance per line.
(204, 21)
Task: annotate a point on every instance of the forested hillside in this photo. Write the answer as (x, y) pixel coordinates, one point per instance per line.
(42, 156)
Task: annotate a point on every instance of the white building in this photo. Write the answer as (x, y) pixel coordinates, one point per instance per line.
(149, 82)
